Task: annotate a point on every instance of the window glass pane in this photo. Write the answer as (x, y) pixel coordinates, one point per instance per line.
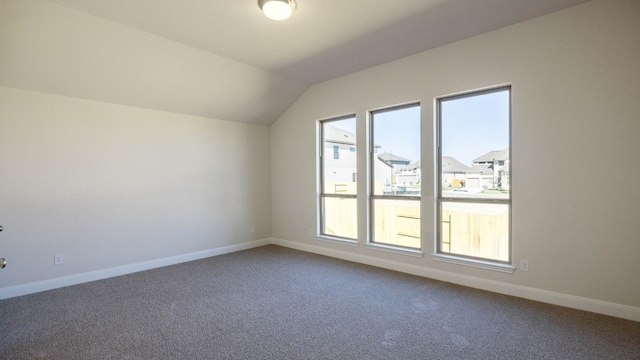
(474, 166)
(339, 160)
(396, 152)
(339, 217)
(475, 146)
(396, 222)
(475, 229)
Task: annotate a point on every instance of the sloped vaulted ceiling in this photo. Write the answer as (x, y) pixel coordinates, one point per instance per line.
(222, 58)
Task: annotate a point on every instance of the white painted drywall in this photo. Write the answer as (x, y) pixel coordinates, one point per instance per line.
(51, 48)
(110, 185)
(575, 77)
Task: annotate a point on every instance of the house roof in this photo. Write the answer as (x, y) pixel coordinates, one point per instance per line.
(337, 135)
(493, 155)
(389, 157)
(385, 162)
(482, 169)
(451, 165)
(410, 167)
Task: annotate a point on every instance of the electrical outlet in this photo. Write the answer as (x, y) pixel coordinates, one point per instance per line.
(58, 259)
(310, 232)
(524, 265)
(252, 229)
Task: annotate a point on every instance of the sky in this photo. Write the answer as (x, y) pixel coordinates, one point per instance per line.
(474, 126)
(471, 127)
(398, 132)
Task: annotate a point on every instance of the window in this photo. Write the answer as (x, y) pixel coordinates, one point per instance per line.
(338, 173)
(474, 188)
(395, 177)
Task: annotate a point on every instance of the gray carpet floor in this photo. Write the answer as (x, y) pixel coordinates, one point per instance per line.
(277, 303)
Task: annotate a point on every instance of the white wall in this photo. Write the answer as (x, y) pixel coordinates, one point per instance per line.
(51, 48)
(575, 80)
(110, 186)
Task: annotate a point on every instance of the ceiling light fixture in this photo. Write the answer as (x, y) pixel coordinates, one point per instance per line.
(277, 9)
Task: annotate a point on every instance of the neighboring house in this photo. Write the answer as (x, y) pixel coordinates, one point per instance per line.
(497, 157)
(454, 173)
(492, 170)
(339, 159)
(383, 176)
(394, 160)
(404, 173)
(480, 176)
(408, 174)
(340, 162)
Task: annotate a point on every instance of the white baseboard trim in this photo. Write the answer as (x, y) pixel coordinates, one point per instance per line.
(550, 297)
(38, 286)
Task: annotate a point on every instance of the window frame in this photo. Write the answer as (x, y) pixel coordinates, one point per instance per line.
(372, 197)
(321, 195)
(440, 255)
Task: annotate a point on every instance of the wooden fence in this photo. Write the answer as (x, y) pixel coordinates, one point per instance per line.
(467, 229)
(476, 231)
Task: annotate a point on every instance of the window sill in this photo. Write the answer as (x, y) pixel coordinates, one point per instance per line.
(395, 250)
(337, 240)
(480, 264)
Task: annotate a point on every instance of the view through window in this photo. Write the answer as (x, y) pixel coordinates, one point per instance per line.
(474, 175)
(395, 176)
(338, 189)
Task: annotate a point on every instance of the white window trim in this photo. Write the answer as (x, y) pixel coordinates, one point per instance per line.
(337, 240)
(395, 249)
(479, 264)
(371, 197)
(487, 264)
(320, 195)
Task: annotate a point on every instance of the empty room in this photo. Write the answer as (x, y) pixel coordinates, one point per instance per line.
(319, 179)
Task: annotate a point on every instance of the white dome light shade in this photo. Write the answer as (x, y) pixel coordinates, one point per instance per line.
(277, 9)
